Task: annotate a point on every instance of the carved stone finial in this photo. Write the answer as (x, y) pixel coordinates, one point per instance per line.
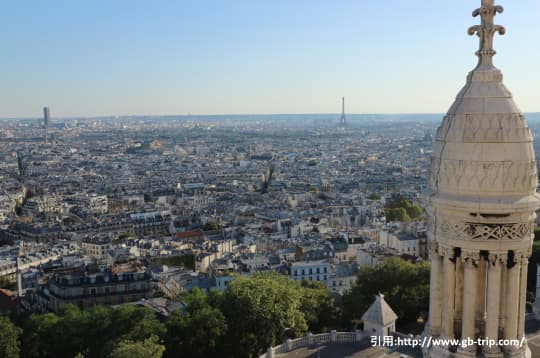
(486, 30)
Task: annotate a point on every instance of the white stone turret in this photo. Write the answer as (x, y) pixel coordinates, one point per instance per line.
(481, 207)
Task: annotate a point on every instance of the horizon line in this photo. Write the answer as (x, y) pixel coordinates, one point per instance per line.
(233, 114)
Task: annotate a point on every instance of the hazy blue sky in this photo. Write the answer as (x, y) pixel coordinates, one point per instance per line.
(100, 57)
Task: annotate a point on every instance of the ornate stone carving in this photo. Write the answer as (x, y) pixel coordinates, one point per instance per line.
(445, 251)
(470, 256)
(517, 258)
(497, 259)
(478, 231)
(490, 127)
(516, 176)
(486, 30)
(433, 247)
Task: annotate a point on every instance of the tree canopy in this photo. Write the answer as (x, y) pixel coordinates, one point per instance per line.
(268, 303)
(401, 209)
(197, 332)
(253, 313)
(94, 332)
(149, 348)
(405, 287)
(9, 338)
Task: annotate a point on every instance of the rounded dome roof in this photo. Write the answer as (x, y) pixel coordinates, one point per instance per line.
(483, 150)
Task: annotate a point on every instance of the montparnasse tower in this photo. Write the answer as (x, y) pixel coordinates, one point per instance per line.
(481, 207)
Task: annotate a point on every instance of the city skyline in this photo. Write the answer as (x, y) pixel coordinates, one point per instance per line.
(244, 58)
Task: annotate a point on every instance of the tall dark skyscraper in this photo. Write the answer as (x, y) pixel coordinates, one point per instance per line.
(342, 120)
(46, 117)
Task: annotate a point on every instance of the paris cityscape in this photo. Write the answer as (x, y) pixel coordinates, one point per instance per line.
(323, 231)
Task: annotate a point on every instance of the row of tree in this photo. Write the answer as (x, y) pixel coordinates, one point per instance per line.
(252, 314)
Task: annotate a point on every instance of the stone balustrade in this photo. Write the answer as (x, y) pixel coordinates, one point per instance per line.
(311, 339)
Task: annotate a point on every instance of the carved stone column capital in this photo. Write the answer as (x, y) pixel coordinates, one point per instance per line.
(470, 256)
(497, 259)
(447, 252)
(433, 248)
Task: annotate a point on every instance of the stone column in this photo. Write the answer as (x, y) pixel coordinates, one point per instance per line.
(495, 262)
(449, 285)
(470, 260)
(512, 298)
(458, 304)
(435, 290)
(522, 296)
(481, 289)
(503, 294)
(469, 293)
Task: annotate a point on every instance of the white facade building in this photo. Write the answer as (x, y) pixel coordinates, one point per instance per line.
(319, 270)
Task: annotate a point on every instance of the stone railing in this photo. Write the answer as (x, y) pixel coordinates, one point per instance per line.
(313, 339)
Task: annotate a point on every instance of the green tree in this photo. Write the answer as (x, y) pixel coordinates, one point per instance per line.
(149, 348)
(98, 330)
(9, 338)
(197, 332)
(210, 226)
(415, 212)
(318, 306)
(397, 214)
(71, 329)
(40, 338)
(134, 323)
(259, 309)
(401, 209)
(6, 283)
(405, 287)
(125, 235)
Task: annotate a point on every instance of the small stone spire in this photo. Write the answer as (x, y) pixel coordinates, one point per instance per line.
(486, 30)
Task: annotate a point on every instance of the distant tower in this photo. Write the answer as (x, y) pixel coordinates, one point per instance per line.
(481, 207)
(46, 117)
(342, 120)
(46, 121)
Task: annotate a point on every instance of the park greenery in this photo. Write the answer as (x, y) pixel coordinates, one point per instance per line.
(186, 260)
(211, 226)
(405, 287)
(401, 209)
(253, 313)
